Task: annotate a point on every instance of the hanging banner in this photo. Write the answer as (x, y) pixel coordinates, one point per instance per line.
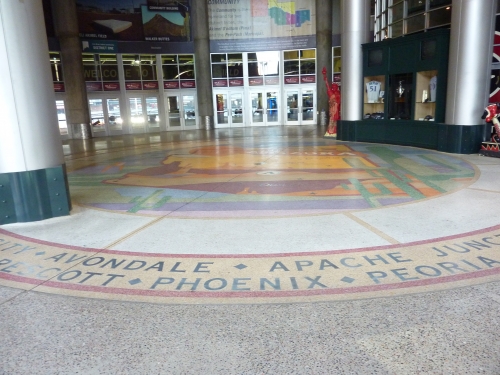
(132, 20)
(261, 25)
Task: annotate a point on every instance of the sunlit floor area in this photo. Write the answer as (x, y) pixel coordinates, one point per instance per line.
(268, 250)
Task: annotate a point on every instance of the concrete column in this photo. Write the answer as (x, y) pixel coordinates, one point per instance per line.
(469, 69)
(355, 18)
(201, 40)
(31, 158)
(323, 50)
(76, 104)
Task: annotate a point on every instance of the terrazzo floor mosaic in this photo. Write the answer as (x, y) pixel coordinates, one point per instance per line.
(259, 219)
(244, 178)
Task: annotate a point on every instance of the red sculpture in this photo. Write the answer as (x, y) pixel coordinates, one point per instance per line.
(491, 114)
(334, 105)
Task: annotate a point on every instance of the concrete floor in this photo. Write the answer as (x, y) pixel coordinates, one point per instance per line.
(382, 276)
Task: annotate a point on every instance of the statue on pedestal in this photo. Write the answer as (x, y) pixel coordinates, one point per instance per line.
(333, 104)
(492, 148)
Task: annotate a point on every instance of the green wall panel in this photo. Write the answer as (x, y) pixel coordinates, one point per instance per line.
(457, 139)
(34, 195)
(7, 207)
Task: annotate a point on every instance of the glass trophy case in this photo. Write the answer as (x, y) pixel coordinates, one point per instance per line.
(400, 97)
(373, 101)
(425, 98)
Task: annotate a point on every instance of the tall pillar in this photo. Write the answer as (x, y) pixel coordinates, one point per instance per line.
(76, 104)
(33, 182)
(355, 31)
(469, 69)
(201, 40)
(323, 50)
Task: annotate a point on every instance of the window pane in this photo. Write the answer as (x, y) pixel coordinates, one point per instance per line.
(337, 65)
(439, 17)
(236, 70)
(148, 59)
(291, 67)
(56, 66)
(416, 23)
(107, 59)
(148, 72)
(186, 59)
(219, 70)
(168, 59)
(130, 59)
(253, 69)
(219, 57)
(397, 29)
(396, 12)
(235, 57)
(307, 67)
(132, 72)
(91, 72)
(308, 54)
(291, 55)
(415, 6)
(252, 57)
(109, 72)
(438, 3)
(186, 71)
(170, 72)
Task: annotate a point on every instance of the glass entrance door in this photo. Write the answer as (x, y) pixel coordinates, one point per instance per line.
(236, 108)
(97, 116)
(114, 119)
(153, 123)
(61, 117)
(221, 111)
(189, 111)
(137, 115)
(300, 106)
(229, 109)
(181, 111)
(105, 114)
(265, 107)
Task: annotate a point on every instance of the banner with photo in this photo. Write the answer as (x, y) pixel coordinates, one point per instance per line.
(135, 20)
(251, 25)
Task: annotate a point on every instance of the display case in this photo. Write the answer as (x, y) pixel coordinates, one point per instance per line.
(373, 102)
(410, 76)
(401, 96)
(426, 89)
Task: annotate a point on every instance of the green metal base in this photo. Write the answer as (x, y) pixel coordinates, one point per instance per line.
(34, 195)
(457, 139)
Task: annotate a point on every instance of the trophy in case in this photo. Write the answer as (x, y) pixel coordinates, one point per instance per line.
(400, 90)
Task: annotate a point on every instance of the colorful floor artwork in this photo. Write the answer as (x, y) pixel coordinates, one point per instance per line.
(244, 179)
(445, 263)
